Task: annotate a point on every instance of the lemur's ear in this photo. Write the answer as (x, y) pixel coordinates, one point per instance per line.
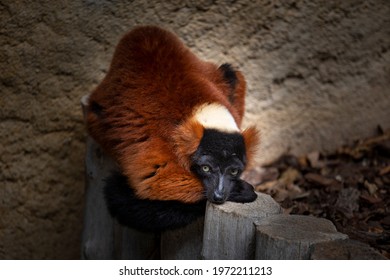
(252, 140)
(186, 139)
(237, 88)
(229, 75)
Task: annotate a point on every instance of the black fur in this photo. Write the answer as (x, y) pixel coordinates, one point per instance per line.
(96, 108)
(222, 145)
(229, 74)
(223, 156)
(147, 215)
(242, 192)
(222, 152)
(230, 77)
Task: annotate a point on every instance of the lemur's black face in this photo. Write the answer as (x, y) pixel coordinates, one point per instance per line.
(218, 163)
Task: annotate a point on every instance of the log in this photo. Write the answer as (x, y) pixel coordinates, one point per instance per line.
(344, 250)
(98, 230)
(131, 244)
(103, 237)
(183, 243)
(229, 230)
(290, 237)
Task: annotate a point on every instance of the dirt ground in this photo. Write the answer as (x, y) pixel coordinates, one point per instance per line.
(350, 187)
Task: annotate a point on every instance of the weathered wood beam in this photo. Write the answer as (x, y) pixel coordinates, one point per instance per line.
(229, 229)
(103, 237)
(290, 237)
(183, 243)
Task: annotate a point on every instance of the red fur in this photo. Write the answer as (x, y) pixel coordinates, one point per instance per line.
(252, 140)
(186, 139)
(147, 100)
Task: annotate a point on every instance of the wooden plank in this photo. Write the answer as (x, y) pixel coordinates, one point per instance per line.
(131, 244)
(290, 237)
(98, 231)
(183, 243)
(346, 249)
(229, 230)
(103, 237)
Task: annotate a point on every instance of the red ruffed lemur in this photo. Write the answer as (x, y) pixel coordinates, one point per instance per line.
(172, 122)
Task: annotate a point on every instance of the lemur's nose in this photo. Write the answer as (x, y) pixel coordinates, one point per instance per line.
(218, 197)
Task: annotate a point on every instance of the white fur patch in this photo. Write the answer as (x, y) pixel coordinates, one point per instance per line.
(216, 116)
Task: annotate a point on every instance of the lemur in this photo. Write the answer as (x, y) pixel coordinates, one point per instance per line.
(171, 121)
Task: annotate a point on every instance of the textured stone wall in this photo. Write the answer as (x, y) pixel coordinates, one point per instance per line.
(318, 75)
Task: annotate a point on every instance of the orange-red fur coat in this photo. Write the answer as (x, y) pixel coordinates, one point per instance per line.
(141, 113)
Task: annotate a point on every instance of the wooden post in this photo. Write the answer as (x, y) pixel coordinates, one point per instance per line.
(131, 244)
(290, 237)
(103, 237)
(98, 231)
(229, 230)
(345, 249)
(183, 243)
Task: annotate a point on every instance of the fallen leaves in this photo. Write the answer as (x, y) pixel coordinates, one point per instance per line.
(385, 170)
(350, 187)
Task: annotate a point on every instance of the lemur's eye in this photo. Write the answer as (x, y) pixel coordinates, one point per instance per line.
(234, 172)
(206, 168)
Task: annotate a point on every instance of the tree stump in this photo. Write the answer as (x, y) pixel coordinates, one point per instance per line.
(183, 243)
(98, 231)
(290, 237)
(103, 237)
(229, 230)
(344, 250)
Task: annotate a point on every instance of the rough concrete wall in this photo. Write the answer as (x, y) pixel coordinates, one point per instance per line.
(318, 76)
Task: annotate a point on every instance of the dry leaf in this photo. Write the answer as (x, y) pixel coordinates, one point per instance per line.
(319, 179)
(351, 188)
(314, 159)
(290, 176)
(372, 188)
(384, 170)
